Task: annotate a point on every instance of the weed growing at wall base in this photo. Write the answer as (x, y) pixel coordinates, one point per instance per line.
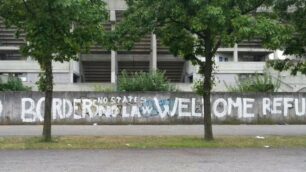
(257, 83)
(14, 84)
(142, 81)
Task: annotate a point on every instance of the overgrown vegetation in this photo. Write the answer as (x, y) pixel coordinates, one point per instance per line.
(142, 81)
(14, 84)
(257, 83)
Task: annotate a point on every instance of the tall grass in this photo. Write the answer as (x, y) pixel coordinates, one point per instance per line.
(142, 81)
(257, 83)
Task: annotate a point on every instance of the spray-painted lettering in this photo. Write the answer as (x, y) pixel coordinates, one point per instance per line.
(156, 107)
(1, 108)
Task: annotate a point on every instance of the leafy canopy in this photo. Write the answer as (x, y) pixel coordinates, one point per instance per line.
(198, 28)
(55, 29)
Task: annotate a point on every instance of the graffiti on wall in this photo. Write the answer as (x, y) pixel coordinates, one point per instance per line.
(29, 109)
(137, 107)
(1, 108)
(245, 107)
(124, 107)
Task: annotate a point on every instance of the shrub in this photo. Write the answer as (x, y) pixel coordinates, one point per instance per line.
(257, 83)
(141, 81)
(14, 84)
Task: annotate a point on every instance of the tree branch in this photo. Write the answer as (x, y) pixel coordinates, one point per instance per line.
(186, 27)
(28, 8)
(198, 60)
(253, 8)
(218, 44)
(58, 29)
(193, 57)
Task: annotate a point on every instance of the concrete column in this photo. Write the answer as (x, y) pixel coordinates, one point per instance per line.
(153, 60)
(236, 53)
(71, 66)
(114, 59)
(275, 55)
(114, 67)
(112, 16)
(29, 58)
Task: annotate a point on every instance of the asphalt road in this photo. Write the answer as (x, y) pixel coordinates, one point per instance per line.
(156, 130)
(175, 160)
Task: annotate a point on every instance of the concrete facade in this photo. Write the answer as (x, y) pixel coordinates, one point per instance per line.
(232, 63)
(152, 108)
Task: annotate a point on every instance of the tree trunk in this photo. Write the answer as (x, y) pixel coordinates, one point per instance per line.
(48, 100)
(207, 87)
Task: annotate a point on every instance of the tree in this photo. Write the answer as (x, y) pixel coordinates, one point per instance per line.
(194, 29)
(292, 12)
(56, 30)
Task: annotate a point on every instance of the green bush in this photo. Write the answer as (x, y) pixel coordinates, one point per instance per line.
(14, 84)
(141, 81)
(257, 83)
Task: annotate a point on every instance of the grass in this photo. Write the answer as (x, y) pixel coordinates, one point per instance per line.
(153, 142)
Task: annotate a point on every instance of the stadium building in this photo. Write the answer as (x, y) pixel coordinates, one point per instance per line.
(101, 67)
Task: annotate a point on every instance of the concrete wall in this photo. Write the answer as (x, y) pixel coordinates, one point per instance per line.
(58, 78)
(62, 72)
(151, 107)
(29, 66)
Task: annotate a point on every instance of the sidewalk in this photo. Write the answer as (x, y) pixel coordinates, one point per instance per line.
(156, 130)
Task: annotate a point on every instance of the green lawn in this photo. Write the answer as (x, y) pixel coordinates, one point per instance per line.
(109, 142)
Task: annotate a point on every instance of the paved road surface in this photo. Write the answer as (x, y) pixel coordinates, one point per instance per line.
(163, 130)
(175, 160)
